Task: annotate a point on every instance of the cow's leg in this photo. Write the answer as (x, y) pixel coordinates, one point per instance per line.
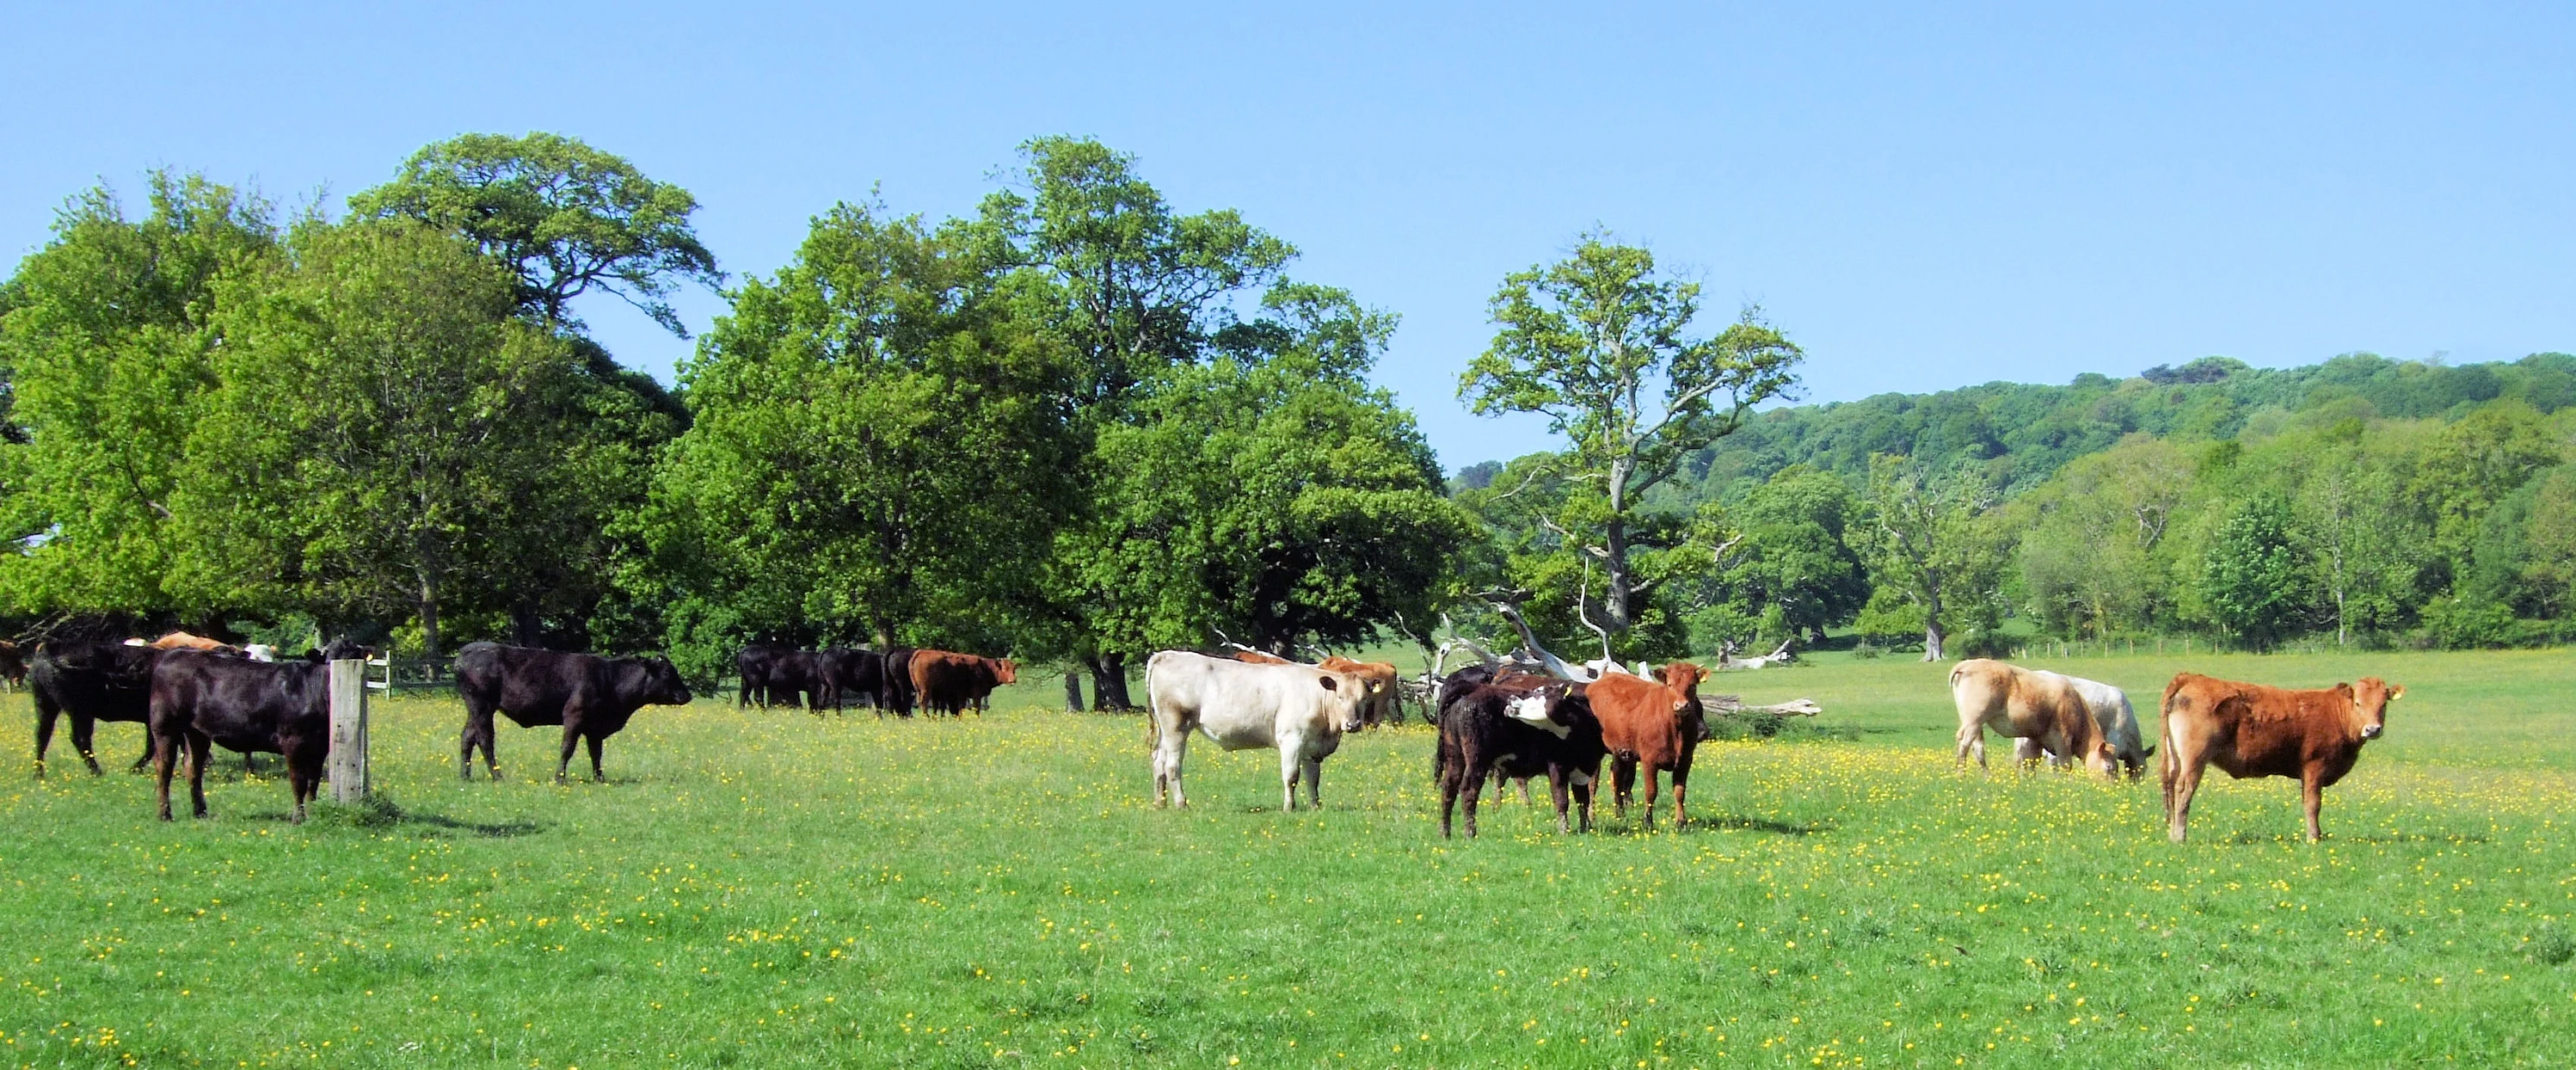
(596, 777)
(165, 752)
(465, 741)
(1681, 794)
(1652, 777)
(1291, 764)
(1623, 779)
(1525, 792)
(1171, 743)
(571, 740)
(1972, 739)
(1451, 770)
(2178, 800)
(1475, 786)
(2312, 794)
(295, 786)
(84, 736)
(2027, 753)
(200, 748)
(1584, 782)
(1556, 793)
(1315, 782)
(45, 737)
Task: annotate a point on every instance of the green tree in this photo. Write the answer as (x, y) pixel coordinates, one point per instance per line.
(2091, 535)
(2473, 464)
(2253, 579)
(1093, 252)
(108, 342)
(2358, 531)
(1794, 569)
(876, 451)
(1600, 345)
(568, 219)
(385, 428)
(1933, 556)
(1272, 494)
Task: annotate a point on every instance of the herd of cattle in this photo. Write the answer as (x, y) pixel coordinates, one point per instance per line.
(1497, 723)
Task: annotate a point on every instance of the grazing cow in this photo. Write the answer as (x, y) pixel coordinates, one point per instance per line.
(2251, 730)
(13, 665)
(1300, 710)
(2117, 720)
(1650, 725)
(1380, 708)
(2024, 704)
(590, 696)
(91, 682)
(947, 682)
(202, 697)
(1502, 731)
(1249, 656)
(898, 694)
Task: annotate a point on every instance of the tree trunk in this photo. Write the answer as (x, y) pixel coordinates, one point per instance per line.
(429, 625)
(1072, 692)
(526, 628)
(1108, 682)
(1932, 638)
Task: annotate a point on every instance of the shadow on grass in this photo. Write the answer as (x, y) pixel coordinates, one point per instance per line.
(379, 813)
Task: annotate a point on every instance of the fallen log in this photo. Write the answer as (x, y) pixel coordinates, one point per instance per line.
(1735, 706)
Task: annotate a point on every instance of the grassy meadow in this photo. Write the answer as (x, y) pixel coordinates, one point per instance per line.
(776, 889)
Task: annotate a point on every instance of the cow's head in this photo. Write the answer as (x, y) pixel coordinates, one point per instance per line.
(1006, 671)
(2370, 699)
(1683, 677)
(1343, 695)
(662, 684)
(1544, 709)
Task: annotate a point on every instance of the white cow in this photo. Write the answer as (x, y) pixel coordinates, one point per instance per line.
(2111, 710)
(1300, 710)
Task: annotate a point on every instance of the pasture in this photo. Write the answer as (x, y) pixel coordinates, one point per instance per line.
(774, 889)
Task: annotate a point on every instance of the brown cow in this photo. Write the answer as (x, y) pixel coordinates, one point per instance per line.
(948, 682)
(1650, 724)
(2021, 703)
(1379, 706)
(1255, 657)
(2251, 730)
(185, 641)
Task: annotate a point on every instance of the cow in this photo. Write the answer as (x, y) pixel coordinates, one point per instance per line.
(91, 682)
(1378, 676)
(855, 674)
(1300, 710)
(2116, 718)
(2025, 704)
(590, 696)
(204, 697)
(1381, 679)
(2251, 730)
(13, 665)
(898, 694)
(1503, 731)
(1653, 726)
(752, 666)
(948, 682)
(185, 641)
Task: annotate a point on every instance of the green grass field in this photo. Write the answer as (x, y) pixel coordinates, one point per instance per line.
(774, 889)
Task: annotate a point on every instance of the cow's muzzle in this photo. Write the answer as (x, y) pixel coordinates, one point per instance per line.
(2372, 731)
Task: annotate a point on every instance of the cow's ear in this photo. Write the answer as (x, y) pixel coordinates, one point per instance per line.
(2396, 691)
(1327, 681)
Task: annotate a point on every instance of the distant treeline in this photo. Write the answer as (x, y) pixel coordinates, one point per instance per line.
(2358, 500)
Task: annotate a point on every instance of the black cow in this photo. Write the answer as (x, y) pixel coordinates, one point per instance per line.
(897, 695)
(590, 696)
(753, 665)
(90, 682)
(200, 698)
(855, 675)
(1505, 730)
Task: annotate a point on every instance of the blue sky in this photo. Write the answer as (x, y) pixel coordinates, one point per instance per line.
(1922, 198)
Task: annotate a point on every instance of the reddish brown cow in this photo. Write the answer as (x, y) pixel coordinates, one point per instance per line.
(185, 641)
(1379, 706)
(947, 682)
(2251, 731)
(1649, 724)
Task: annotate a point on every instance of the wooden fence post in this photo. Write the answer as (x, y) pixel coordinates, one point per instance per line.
(348, 761)
(1072, 692)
